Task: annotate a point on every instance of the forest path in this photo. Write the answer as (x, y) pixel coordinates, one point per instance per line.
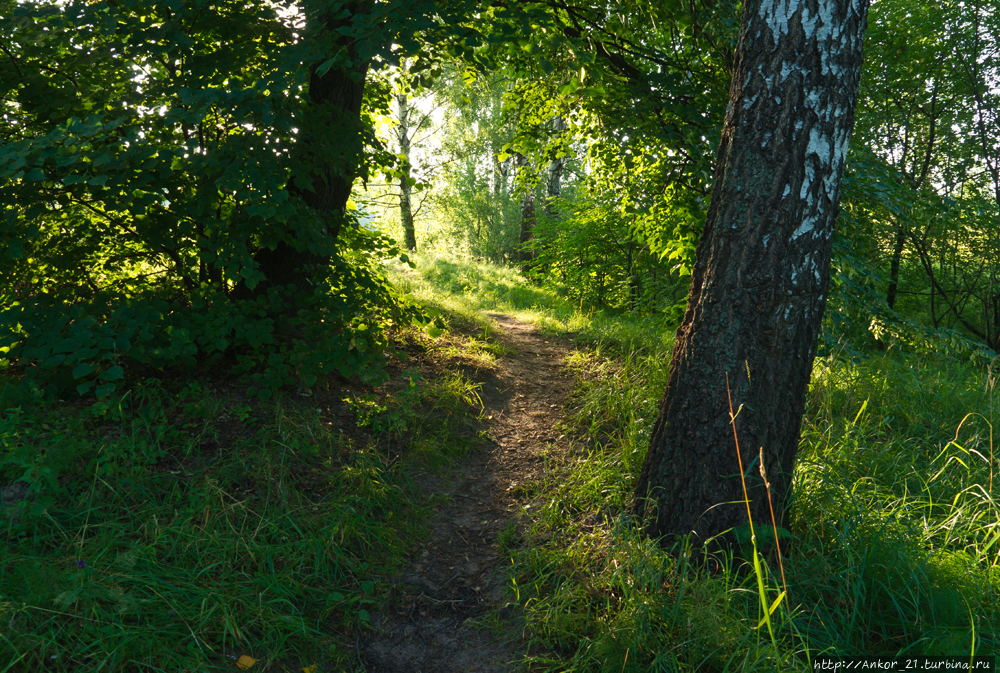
(434, 621)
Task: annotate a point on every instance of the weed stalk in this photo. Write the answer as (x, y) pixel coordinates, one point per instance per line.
(762, 592)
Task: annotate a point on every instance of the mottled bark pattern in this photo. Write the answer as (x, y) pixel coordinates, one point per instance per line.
(405, 190)
(556, 165)
(760, 282)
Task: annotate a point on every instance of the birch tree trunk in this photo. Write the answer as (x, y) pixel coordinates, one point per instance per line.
(525, 254)
(759, 286)
(556, 165)
(405, 190)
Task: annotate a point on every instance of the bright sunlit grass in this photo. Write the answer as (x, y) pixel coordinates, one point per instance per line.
(472, 288)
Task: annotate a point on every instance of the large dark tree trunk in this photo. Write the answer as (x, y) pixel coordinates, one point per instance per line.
(760, 283)
(329, 150)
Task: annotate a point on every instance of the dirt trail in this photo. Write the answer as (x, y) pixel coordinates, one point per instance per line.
(434, 623)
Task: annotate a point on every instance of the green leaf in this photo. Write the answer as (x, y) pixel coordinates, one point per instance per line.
(83, 369)
(115, 373)
(105, 389)
(35, 174)
(569, 87)
(325, 66)
(774, 606)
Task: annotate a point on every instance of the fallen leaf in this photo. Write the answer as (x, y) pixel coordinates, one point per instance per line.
(310, 669)
(245, 662)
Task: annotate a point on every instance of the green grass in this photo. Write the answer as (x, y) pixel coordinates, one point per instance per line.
(158, 545)
(180, 526)
(895, 527)
(464, 289)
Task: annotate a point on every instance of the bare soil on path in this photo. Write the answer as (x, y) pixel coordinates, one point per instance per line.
(438, 617)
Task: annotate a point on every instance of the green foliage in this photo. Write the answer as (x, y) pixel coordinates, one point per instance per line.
(643, 117)
(167, 178)
(594, 257)
(474, 201)
(100, 344)
(635, 118)
(919, 210)
(150, 170)
(858, 316)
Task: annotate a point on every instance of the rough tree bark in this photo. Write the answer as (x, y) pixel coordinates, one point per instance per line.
(760, 283)
(331, 148)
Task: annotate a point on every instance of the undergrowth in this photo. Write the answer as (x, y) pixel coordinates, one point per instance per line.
(895, 543)
(182, 525)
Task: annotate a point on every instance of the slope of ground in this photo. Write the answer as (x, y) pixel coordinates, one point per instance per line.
(449, 607)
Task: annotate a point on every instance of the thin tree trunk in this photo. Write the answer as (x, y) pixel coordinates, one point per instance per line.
(760, 283)
(556, 165)
(405, 190)
(525, 254)
(897, 256)
(499, 173)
